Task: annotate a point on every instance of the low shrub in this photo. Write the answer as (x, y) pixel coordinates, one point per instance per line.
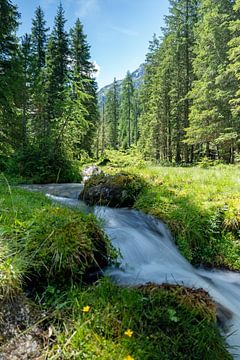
(43, 166)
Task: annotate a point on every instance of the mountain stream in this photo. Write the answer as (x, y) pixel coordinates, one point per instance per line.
(149, 254)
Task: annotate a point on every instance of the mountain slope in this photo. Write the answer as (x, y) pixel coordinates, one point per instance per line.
(137, 76)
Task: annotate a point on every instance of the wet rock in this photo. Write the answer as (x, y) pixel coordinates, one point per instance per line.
(120, 190)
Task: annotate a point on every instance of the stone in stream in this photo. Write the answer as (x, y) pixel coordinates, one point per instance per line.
(119, 190)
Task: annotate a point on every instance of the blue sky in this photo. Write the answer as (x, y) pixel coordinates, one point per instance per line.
(118, 31)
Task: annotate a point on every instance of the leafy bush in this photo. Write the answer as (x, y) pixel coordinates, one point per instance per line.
(43, 166)
(205, 163)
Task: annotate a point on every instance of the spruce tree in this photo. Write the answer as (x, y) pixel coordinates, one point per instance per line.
(57, 59)
(112, 114)
(126, 120)
(83, 75)
(26, 85)
(39, 38)
(210, 117)
(9, 79)
(233, 71)
(39, 98)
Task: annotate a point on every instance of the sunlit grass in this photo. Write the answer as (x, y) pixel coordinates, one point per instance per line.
(201, 206)
(104, 321)
(148, 323)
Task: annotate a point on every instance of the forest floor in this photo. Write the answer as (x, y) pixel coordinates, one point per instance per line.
(75, 320)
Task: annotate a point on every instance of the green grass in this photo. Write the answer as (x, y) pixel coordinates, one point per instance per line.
(165, 323)
(43, 242)
(201, 206)
(36, 241)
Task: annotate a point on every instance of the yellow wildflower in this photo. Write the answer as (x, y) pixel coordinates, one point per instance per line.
(86, 309)
(128, 332)
(129, 357)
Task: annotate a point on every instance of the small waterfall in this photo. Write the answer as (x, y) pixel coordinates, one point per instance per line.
(150, 255)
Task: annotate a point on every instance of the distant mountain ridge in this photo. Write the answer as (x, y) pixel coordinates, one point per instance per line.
(137, 76)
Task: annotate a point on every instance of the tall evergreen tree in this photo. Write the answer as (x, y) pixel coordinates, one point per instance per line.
(126, 120)
(112, 114)
(233, 70)
(57, 59)
(39, 99)
(9, 65)
(167, 82)
(180, 26)
(83, 75)
(39, 38)
(210, 117)
(25, 91)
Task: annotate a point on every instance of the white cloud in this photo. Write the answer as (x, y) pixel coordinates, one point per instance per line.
(85, 7)
(124, 31)
(97, 68)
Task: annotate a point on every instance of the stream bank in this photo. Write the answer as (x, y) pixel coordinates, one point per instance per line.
(171, 322)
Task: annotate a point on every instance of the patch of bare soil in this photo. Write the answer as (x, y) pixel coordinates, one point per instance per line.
(22, 336)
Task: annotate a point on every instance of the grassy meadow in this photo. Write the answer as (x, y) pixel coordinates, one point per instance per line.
(200, 204)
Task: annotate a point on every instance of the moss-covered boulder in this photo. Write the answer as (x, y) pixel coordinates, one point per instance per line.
(61, 244)
(119, 190)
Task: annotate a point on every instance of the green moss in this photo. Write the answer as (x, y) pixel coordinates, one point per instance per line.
(115, 190)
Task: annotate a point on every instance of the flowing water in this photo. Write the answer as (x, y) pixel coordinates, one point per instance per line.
(150, 255)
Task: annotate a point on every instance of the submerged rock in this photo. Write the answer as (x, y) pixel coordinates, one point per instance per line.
(120, 190)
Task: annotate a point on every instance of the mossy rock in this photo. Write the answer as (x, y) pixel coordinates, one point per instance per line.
(120, 190)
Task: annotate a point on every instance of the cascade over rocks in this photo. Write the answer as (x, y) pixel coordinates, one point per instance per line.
(119, 190)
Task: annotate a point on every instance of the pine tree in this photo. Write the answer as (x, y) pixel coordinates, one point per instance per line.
(25, 91)
(112, 114)
(233, 71)
(126, 120)
(180, 27)
(57, 59)
(39, 38)
(167, 82)
(210, 117)
(9, 65)
(39, 98)
(83, 74)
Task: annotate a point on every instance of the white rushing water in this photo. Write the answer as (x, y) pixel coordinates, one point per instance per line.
(150, 255)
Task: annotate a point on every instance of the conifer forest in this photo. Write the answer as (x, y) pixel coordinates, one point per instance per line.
(185, 108)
